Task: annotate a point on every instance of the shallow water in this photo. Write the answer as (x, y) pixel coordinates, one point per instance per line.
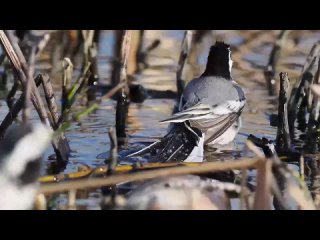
(89, 139)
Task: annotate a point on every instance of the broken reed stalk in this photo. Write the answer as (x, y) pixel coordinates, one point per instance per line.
(20, 66)
(12, 46)
(14, 111)
(61, 142)
(278, 200)
(12, 92)
(94, 76)
(113, 161)
(301, 168)
(27, 105)
(125, 50)
(283, 133)
(40, 202)
(184, 53)
(278, 177)
(142, 55)
(113, 180)
(270, 70)
(116, 63)
(113, 151)
(72, 199)
(244, 201)
(87, 36)
(123, 100)
(50, 99)
(315, 51)
(312, 138)
(78, 86)
(90, 54)
(122, 109)
(300, 93)
(66, 81)
(18, 61)
(135, 48)
(70, 94)
(315, 181)
(195, 49)
(64, 123)
(262, 200)
(138, 56)
(42, 44)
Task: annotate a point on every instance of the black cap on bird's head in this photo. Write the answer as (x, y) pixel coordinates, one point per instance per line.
(219, 61)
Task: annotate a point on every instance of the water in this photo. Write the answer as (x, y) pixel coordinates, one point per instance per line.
(89, 139)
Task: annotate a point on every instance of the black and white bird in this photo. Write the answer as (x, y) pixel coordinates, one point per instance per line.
(209, 112)
(21, 150)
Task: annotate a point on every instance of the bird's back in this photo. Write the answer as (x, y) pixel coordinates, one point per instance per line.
(210, 90)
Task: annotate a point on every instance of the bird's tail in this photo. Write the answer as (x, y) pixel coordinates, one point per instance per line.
(182, 143)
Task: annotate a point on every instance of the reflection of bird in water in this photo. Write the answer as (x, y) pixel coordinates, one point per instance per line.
(209, 112)
(20, 161)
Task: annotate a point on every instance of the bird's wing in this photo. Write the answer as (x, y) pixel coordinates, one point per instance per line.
(204, 111)
(214, 128)
(213, 120)
(177, 145)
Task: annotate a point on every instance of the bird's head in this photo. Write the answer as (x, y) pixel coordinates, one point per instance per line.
(21, 150)
(219, 61)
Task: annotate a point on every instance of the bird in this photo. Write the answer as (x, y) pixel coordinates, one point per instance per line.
(209, 112)
(21, 150)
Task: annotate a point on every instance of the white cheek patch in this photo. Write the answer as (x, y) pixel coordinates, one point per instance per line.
(230, 62)
(28, 148)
